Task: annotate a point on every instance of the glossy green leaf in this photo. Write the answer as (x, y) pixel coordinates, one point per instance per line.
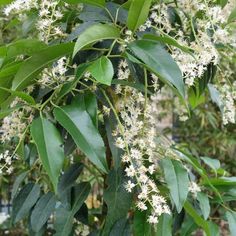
(49, 145)
(42, 211)
(197, 219)
(231, 217)
(24, 201)
(88, 101)
(176, 177)
(64, 217)
(6, 75)
(141, 226)
(118, 200)
(168, 40)
(121, 227)
(160, 62)
(17, 183)
(36, 63)
(92, 2)
(204, 204)
(24, 47)
(214, 229)
(102, 70)
(94, 34)
(164, 226)
(24, 96)
(188, 226)
(76, 120)
(66, 182)
(138, 13)
(212, 163)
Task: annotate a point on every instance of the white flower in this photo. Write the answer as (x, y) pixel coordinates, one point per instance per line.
(194, 188)
(129, 186)
(141, 205)
(152, 219)
(130, 171)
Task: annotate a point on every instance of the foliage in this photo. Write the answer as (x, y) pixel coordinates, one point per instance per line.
(85, 88)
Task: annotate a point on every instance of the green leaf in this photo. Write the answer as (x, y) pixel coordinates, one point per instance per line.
(17, 183)
(88, 101)
(212, 163)
(24, 47)
(76, 120)
(6, 75)
(232, 16)
(138, 13)
(66, 182)
(197, 219)
(200, 170)
(215, 96)
(176, 177)
(49, 145)
(204, 204)
(214, 229)
(100, 3)
(42, 211)
(64, 217)
(231, 217)
(164, 225)
(24, 96)
(141, 226)
(121, 227)
(96, 33)
(118, 200)
(24, 201)
(5, 2)
(195, 99)
(36, 63)
(168, 40)
(188, 226)
(102, 70)
(160, 62)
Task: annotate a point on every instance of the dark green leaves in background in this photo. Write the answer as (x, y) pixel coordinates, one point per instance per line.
(24, 201)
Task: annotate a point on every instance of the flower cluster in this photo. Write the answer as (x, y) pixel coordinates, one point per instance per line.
(204, 51)
(49, 13)
(228, 99)
(20, 6)
(123, 70)
(143, 148)
(16, 123)
(56, 74)
(6, 159)
(194, 188)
